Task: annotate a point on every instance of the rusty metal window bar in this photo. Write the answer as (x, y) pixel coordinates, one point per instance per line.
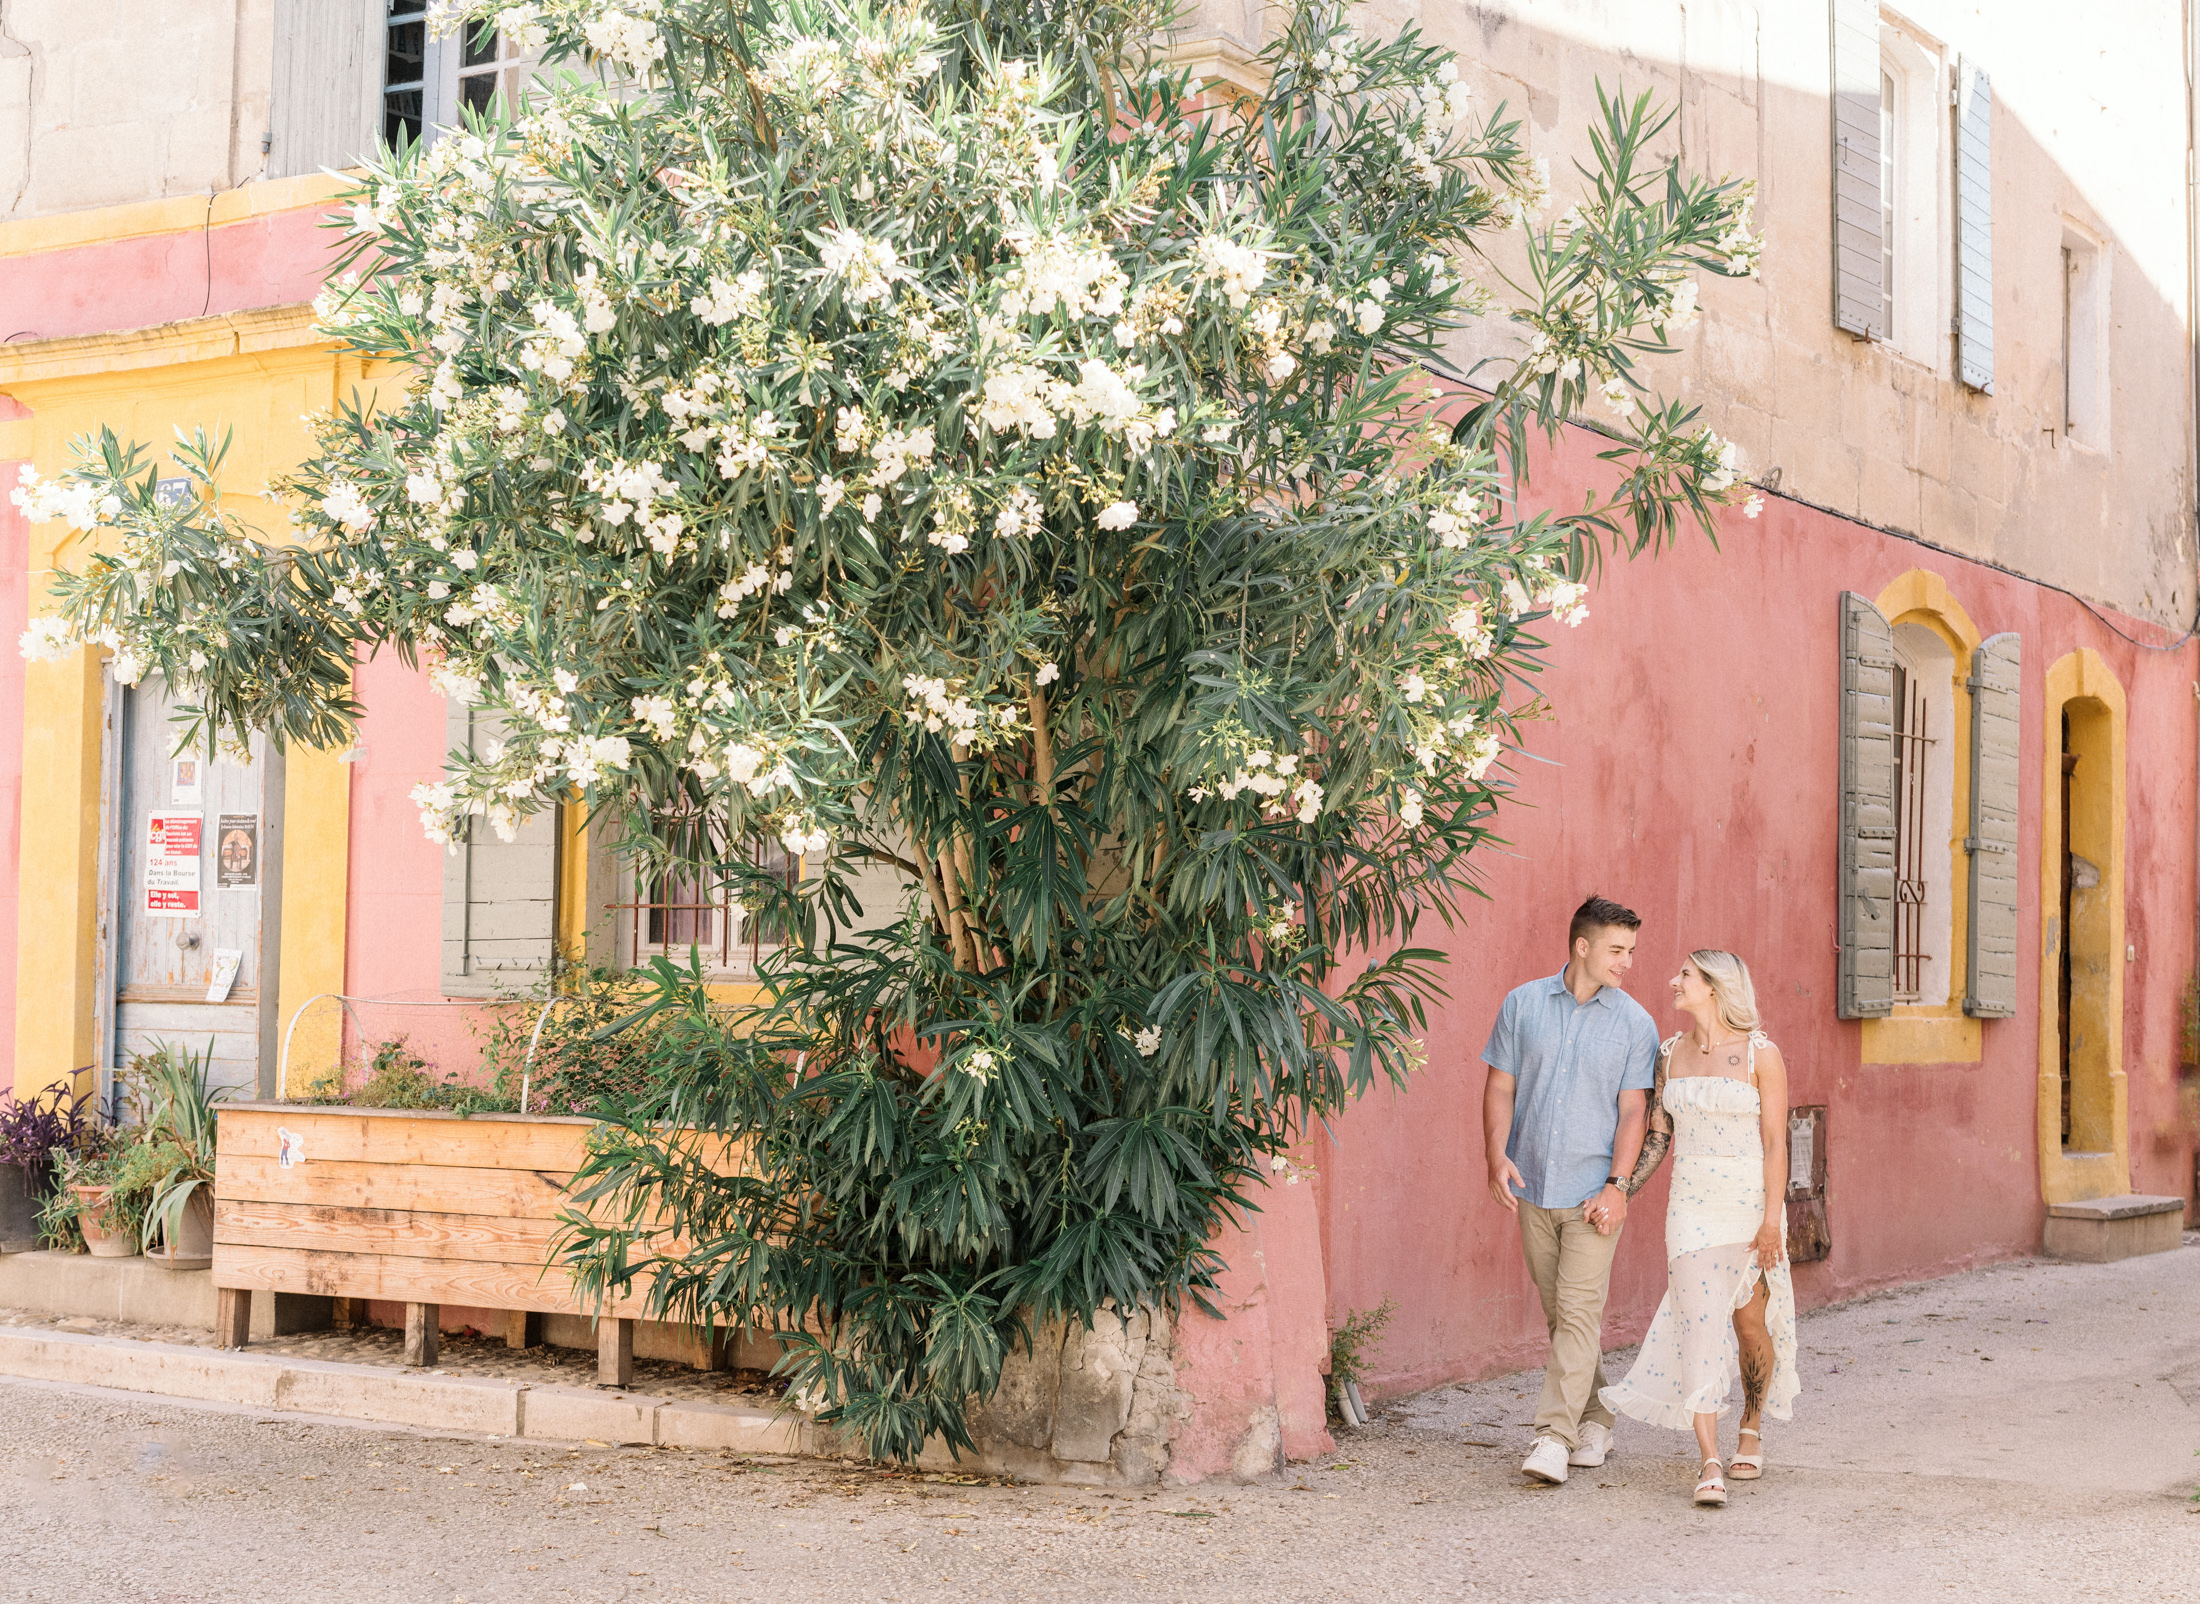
(1913, 745)
(671, 911)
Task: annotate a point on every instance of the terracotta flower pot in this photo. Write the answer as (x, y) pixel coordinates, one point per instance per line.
(102, 1243)
(21, 1191)
(192, 1245)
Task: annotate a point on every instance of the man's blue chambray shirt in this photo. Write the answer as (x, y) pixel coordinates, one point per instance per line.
(1570, 1061)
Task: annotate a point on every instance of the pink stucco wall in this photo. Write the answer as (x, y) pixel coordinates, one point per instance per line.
(1690, 771)
(276, 260)
(1253, 1380)
(393, 928)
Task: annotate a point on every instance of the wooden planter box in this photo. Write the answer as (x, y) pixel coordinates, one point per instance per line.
(422, 1209)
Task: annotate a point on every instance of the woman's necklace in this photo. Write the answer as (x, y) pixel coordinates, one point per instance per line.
(1705, 1049)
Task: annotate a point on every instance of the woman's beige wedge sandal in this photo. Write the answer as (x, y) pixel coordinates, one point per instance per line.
(1748, 1467)
(1711, 1491)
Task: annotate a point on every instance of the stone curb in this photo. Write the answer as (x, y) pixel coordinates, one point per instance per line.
(369, 1393)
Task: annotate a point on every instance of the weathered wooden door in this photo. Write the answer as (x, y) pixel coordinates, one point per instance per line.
(198, 897)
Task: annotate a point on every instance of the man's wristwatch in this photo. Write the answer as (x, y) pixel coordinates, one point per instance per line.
(1614, 1180)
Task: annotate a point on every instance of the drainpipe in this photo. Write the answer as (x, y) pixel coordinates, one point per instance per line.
(2192, 358)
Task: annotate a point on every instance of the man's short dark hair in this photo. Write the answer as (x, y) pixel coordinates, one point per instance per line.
(1600, 913)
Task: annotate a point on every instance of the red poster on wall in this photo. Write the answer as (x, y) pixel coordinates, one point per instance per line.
(172, 865)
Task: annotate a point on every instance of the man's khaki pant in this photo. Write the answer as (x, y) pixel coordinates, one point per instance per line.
(1572, 1267)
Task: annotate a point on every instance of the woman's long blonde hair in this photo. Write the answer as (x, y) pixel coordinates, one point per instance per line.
(1728, 978)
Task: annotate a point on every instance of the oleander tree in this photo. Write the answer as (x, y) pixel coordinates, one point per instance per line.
(938, 435)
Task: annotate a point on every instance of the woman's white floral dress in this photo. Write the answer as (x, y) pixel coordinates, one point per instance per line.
(1690, 1361)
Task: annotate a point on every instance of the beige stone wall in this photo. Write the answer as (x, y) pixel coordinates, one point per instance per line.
(2090, 138)
(104, 102)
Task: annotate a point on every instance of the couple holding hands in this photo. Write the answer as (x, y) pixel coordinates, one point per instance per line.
(1581, 1105)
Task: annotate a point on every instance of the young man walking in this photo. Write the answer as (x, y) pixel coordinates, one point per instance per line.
(1571, 1063)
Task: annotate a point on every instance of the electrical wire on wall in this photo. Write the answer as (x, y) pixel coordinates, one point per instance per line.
(206, 237)
(2184, 636)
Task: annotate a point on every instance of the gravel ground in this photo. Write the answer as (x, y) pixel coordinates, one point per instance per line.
(2020, 1433)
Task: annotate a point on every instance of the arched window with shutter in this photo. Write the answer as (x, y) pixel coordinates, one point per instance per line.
(1930, 714)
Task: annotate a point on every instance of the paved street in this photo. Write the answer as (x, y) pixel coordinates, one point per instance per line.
(2026, 1432)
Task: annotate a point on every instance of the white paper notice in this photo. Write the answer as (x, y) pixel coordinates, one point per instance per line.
(172, 865)
(1801, 1159)
(187, 780)
(227, 961)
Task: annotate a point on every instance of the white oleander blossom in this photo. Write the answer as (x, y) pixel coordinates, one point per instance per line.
(866, 267)
(345, 505)
(1020, 396)
(724, 299)
(1077, 277)
(79, 505)
(1237, 269)
(799, 833)
(627, 34)
(49, 640)
(1724, 458)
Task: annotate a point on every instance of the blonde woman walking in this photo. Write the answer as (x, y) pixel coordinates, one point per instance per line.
(1729, 1307)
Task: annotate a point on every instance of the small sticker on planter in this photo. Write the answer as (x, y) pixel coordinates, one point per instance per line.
(290, 1147)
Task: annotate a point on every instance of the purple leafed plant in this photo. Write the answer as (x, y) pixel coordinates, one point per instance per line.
(30, 1131)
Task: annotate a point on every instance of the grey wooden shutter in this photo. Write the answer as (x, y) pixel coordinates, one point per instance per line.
(1997, 677)
(1866, 890)
(499, 897)
(1974, 141)
(1859, 279)
(326, 85)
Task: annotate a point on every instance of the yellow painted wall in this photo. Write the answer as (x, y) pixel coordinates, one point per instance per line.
(2098, 1161)
(259, 373)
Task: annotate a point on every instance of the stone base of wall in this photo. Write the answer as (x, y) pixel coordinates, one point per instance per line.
(1083, 1408)
(1142, 1399)
(2103, 1228)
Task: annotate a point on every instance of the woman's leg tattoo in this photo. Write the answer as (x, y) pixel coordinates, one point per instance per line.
(1756, 1376)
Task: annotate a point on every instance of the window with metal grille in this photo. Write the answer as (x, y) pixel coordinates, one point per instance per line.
(1913, 744)
(671, 912)
(1928, 887)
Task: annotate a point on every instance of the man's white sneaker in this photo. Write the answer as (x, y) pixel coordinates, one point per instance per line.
(1596, 1442)
(1546, 1461)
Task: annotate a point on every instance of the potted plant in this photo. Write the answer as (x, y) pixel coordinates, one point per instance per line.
(97, 1203)
(30, 1131)
(173, 1156)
